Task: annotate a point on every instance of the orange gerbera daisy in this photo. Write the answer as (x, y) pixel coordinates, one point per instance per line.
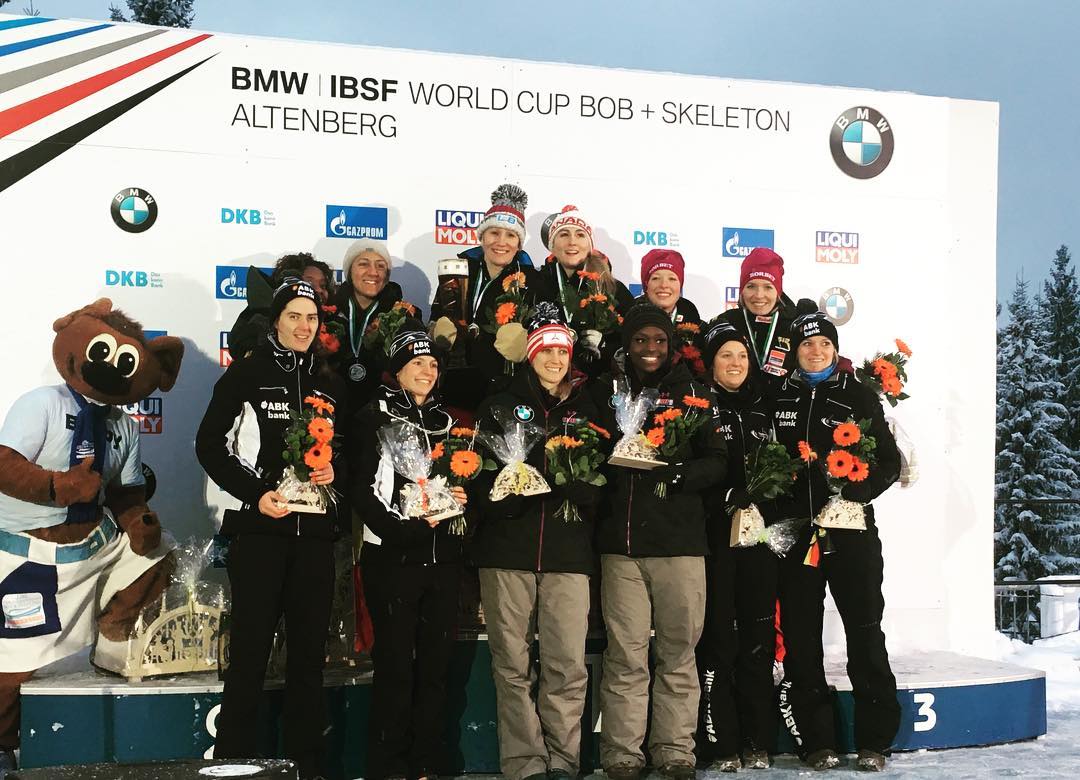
(690, 352)
(328, 340)
(602, 431)
(318, 457)
(696, 401)
(839, 463)
(321, 430)
(669, 414)
(505, 313)
(846, 434)
(319, 405)
(904, 349)
(514, 282)
(592, 276)
(465, 433)
(859, 470)
(405, 306)
(806, 452)
(655, 436)
(584, 301)
(688, 327)
(891, 385)
(438, 451)
(884, 368)
(464, 463)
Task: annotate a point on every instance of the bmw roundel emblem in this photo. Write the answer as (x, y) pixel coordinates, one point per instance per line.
(837, 304)
(134, 210)
(523, 412)
(861, 142)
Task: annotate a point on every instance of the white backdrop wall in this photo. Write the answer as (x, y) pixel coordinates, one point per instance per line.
(742, 156)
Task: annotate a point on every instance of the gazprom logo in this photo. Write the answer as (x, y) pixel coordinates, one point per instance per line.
(231, 282)
(356, 222)
(740, 241)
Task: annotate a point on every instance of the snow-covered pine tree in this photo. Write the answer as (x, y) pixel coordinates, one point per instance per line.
(162, 13)
(1031, 540)
(1063, 311)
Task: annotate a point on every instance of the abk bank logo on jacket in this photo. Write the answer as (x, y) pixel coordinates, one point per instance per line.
(356, 222)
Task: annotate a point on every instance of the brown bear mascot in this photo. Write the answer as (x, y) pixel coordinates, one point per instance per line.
(79, 548)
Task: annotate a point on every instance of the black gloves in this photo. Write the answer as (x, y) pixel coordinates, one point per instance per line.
(576, 492)
(511, 506)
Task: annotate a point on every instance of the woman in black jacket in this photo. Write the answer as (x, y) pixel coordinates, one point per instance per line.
(366, 293)
(411, 571)
(652, 564)
(570, 241)
(534, 571)
(735, 655)
(278, 561)
(811, 403)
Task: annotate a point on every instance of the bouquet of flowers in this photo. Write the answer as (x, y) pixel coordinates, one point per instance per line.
(424, 496)
(594, 310)
(686, 334)
(770, 472)
(887, 373)
(575, 455)
(332, 330)
(308, 446)
(850, 460)
(633, 450)
(511, 448)
(673, 428)
(456, 460)
(382, 330)
(509, 307)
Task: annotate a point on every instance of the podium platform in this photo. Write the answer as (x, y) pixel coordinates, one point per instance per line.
(83, 716)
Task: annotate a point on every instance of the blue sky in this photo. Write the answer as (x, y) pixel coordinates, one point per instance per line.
(1020, 54)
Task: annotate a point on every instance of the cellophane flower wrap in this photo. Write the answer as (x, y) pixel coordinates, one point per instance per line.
(633, 449)
(575, 455)
(511, 447)
(308, 446)
(850, 460)
(886, 373)
(770, 473)
(382, 330)
(458, 461)
(424, 496)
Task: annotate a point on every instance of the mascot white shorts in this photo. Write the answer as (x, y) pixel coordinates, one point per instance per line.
(51, 594)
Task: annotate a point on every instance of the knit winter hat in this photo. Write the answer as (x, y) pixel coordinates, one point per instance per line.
(566, 219)
(508, 203)
(411, 341)
(289, 290)
(764, 264)
(547, 329)
(662, 259)
(366, 245)
(642, 315)
(815, 324)
(717, 336)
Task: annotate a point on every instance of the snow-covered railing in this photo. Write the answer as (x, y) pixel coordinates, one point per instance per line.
(1038, 609)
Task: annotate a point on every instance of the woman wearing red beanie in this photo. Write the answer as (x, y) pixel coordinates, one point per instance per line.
(663, 273)
(764, 313)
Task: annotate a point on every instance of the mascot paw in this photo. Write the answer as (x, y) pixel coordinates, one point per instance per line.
(76, 485)
(510, 341)
(145, 534)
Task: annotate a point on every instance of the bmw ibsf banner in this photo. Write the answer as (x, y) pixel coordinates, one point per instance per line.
(153, 166)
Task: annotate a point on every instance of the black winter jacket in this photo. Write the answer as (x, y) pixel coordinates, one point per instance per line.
(242, 434)
(745, 421)
(476, 367)
(533, 539)
(549, 290)
(780, 358)
(375, 487)
(804, 413)
(637, 522)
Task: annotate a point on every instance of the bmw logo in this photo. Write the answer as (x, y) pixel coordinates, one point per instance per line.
(134, 210)
(523, 412)
(837, 304)
(861, 142)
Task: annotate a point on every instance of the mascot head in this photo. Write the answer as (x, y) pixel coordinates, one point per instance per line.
(105, 355)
